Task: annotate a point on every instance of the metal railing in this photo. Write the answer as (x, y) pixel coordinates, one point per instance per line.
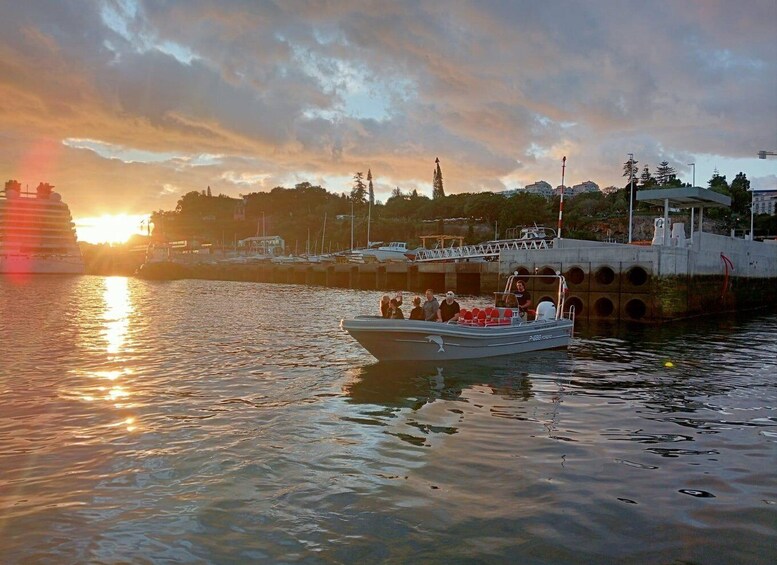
(482, 250)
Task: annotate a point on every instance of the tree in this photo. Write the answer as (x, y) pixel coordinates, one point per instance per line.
(740, 196)
(646, 180)
(665, 174)
(371, 189)
(437, 189)
(630, 169)
(359, 190)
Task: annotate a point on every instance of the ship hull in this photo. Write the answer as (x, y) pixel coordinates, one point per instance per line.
(25, 265)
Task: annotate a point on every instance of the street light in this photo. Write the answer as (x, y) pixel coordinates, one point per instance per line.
(752, 207)
(631, 190)
(351, 224)
(693, 185)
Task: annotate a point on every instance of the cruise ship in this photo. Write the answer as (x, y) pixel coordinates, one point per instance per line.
(37, 234)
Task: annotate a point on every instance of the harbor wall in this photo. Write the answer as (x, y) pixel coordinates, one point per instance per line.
(606, 281)
(656, 283)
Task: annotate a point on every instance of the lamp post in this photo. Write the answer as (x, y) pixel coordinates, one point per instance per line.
(693, 185)
(752, 208)
(561, 202)
(631, 191)
(352, 224)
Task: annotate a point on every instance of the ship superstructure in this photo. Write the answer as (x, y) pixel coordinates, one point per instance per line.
(37, 233)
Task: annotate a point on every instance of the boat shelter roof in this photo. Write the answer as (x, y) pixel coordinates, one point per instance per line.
(690, 197)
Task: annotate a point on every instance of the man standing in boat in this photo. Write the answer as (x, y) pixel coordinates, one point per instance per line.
(522, 297)
(449, 309)
(431, 307)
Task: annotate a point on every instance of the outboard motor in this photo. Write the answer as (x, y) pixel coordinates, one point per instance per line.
(546, 311)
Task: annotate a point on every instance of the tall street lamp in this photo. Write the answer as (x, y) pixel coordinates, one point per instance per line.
(351, 224)
(693, 185)
(752, 208)
(631, 191)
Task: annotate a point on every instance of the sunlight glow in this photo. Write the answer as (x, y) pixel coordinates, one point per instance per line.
(117, 312)
(111, 228)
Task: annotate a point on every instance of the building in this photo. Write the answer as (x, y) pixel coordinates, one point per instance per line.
(268, 245)
(540, 188)
(764, 201)
(584, 187)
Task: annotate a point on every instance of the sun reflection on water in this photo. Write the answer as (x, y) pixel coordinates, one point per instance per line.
(118, 308)
(116, 319)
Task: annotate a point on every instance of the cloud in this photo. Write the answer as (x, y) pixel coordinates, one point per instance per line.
(167, 97)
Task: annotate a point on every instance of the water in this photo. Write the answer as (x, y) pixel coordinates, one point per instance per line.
(219, 422)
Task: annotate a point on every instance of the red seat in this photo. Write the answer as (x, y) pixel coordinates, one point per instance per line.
(482, 318)
(508, 313)
(493, 318)
(465, 318)
(475, 312)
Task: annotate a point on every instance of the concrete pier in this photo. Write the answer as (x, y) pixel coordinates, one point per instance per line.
(606, 281)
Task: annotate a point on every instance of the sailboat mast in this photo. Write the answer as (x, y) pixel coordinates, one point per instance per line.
(323, 234)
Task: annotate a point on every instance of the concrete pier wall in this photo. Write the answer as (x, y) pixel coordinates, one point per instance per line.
(606, 281)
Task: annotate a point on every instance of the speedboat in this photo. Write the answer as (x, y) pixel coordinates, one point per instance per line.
(394, 251)
(479, 333)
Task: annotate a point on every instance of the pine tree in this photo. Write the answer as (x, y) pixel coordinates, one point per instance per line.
(630, 168)
(665, 174)
(646, 180)
(209, 194)
(359, 191)
(371, 190)
(437, 188)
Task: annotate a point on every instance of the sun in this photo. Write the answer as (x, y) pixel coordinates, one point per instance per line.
(111, 228)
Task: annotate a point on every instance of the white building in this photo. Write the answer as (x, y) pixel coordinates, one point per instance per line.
(268, 245)
(540, 188)
(764, 201)
(584, 187)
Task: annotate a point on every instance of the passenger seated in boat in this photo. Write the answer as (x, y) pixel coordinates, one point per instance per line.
(522, 298)
(449, 309)
(395, 312)
(417, 313)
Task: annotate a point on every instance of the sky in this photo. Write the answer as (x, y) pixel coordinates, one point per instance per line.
(125, 105)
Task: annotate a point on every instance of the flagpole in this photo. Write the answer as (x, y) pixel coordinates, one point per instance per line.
(561, 203)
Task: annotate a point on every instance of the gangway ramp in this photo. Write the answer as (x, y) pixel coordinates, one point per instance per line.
(479, 251)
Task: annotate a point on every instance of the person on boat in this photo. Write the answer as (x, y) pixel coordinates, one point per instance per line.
(431, 307)
(417, 313)
(449, 309)
(385, 303)
(522, 297)
(395, 312)
(384, 306)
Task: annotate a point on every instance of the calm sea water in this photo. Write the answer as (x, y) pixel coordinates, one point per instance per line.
(219, 422)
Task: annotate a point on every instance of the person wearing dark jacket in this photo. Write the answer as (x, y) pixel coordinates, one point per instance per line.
(417, 313)
(395, 312)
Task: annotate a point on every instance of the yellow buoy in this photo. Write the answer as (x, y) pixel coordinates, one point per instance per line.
(669, 364)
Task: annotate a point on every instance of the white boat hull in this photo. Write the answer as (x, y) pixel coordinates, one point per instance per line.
(412, 340)
(24, 264)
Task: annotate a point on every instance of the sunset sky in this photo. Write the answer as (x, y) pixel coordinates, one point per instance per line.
(125, 105)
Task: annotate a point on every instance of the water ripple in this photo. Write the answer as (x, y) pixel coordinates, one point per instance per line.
(202, 421)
